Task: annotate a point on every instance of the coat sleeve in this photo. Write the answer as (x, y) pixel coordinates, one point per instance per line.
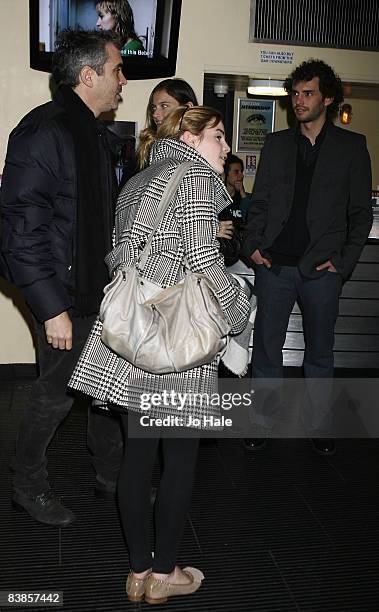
(258, 209)
(30, 182)
(126, 247)
(359, 210)
(199, 225)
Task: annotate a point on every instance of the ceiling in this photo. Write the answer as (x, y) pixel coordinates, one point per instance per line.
(238, 82)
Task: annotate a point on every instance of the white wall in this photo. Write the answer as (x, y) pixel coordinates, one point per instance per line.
(214, 37)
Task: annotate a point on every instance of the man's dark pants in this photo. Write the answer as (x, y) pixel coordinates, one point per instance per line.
(277, 290)
(49, 404)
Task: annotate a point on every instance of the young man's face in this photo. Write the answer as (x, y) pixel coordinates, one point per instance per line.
(307, 101)
(108, 86)
(235, 175)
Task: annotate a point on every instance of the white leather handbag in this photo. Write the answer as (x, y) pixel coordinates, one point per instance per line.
(163, 330)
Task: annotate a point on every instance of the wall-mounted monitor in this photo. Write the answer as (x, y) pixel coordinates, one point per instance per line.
(150, 53)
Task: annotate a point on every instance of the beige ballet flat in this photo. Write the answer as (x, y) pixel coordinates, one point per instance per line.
(158, 591)
(135, 587)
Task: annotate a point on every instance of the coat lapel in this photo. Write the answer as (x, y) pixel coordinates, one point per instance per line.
(290, 165)
(328, 153)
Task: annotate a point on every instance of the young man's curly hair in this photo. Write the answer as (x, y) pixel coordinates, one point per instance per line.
(330, 83)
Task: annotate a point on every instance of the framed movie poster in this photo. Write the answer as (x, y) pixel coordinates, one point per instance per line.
(255, 119)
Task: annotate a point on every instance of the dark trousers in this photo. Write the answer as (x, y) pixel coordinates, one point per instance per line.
(278, 289)
(49, 404)
(172, 503)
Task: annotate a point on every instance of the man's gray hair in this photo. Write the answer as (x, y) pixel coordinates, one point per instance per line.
(75, 49)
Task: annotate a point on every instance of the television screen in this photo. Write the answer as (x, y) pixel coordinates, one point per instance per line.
(149, 31)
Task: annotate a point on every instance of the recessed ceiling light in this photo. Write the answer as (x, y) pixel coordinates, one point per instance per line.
(266, 87)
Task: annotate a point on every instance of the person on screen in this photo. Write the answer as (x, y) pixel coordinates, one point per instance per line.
(117, 15)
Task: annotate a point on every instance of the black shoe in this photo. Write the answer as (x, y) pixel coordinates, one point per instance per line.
(255, 444)
(323, 446)
(105, 491)
(44, 508)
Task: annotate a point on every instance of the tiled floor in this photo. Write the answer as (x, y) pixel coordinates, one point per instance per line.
(282, 530)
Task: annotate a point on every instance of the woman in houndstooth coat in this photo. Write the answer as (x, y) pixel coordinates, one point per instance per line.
(188, 230)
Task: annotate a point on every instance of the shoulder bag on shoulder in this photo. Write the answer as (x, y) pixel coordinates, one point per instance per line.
(163, 330)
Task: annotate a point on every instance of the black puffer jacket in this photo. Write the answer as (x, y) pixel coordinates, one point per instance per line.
(38, 208)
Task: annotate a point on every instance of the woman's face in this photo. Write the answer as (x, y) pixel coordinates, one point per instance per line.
(211, 144)
(162, 105)
(106, 20)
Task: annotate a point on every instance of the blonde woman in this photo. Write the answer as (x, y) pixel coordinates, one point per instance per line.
(187, 232)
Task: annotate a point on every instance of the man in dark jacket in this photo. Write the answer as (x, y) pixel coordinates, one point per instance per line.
(308, 222)
(58, 193)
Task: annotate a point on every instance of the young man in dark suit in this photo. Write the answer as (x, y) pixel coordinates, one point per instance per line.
(308, 222)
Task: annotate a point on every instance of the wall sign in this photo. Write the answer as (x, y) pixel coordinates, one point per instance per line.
(250, 165)
(255, 119)
(277, 57)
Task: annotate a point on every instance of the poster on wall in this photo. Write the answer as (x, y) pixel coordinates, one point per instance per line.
(250, 165)
(255, 119)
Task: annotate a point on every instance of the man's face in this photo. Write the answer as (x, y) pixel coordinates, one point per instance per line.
(235, 174)
(308, 102)
(108, 86)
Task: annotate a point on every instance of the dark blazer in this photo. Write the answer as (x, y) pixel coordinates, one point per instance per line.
(339, 213)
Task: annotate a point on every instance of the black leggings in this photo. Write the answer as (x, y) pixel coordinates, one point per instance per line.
(172, 503)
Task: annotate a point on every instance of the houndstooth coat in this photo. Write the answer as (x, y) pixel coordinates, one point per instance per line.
(188, 229)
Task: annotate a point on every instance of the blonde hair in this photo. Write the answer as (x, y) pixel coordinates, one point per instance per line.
(146, 138)
(193, 119)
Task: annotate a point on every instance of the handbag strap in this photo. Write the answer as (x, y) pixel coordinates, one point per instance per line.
(167, 197)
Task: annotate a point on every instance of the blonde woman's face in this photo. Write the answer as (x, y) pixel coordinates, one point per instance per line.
(212, 146)
(106, 20)
(162, 105)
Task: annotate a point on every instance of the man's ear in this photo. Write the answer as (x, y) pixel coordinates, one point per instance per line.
(190, 139)
(86, 76)
(328, 101)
